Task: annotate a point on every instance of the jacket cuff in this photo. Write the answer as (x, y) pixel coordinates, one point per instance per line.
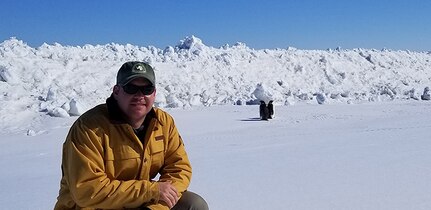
(155, 192)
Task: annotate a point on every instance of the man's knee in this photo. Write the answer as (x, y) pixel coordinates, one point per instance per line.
(191, 201)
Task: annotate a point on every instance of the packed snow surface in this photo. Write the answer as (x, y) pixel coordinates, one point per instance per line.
(338, 156)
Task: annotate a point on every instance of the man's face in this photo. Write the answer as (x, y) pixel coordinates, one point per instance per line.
(137, 105)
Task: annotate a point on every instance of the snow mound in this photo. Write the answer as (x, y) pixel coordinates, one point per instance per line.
(51, 79)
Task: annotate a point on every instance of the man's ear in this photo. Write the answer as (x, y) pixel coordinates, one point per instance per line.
(116, 90)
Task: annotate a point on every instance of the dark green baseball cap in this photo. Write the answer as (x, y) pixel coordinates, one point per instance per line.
(135, 69)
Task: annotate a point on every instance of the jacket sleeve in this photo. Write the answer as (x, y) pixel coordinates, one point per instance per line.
(84, 169)
(177, 166)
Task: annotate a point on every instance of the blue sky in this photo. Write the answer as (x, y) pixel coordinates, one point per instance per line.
(261, 24)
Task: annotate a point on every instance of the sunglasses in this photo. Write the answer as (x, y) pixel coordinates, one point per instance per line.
(133, 89)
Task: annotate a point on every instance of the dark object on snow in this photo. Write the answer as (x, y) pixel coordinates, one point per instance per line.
(270, 110)
(426, 95)
(263, 110)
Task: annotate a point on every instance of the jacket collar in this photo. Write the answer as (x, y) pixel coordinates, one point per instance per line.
(117, 116)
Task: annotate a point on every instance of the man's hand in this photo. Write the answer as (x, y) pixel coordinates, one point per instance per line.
(168, 193)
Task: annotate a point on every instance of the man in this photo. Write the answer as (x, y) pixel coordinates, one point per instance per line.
(114, 152)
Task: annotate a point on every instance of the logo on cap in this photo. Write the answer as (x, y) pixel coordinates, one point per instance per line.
(140, 68)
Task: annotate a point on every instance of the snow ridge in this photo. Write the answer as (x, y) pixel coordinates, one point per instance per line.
(51, 77)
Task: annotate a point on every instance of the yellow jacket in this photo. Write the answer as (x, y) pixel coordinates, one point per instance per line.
(105, 165)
